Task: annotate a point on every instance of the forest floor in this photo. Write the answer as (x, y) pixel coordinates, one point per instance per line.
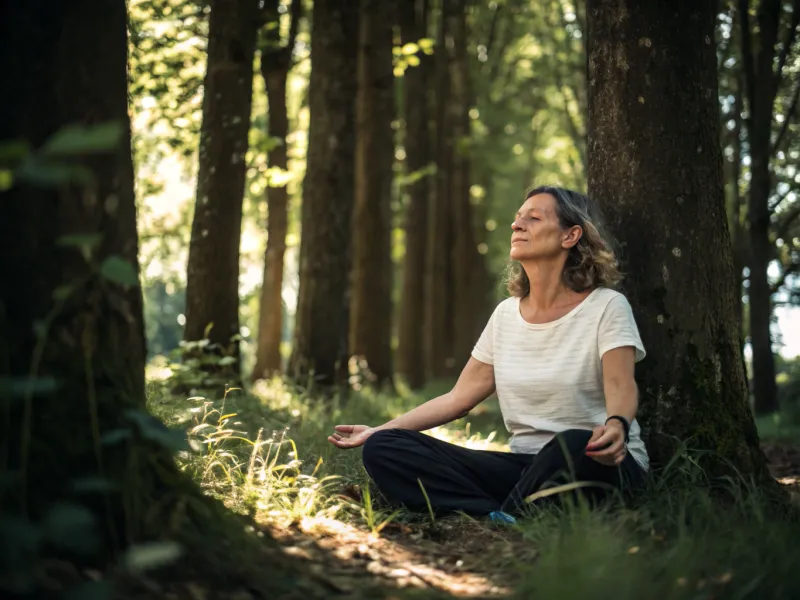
(265, 456)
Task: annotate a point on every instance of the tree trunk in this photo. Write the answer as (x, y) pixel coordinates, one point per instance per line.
(320, 341)
(371, 308)
(275, 65)
(72, 347)
(439, 288)
(762, 87)
(466, 260)
(212, 280)
(412, 324)
(655, 167)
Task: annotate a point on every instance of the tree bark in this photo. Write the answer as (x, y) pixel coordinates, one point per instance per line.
(412, 325)
(761, 87)
(321, 329)
(62, 320)
(439, 289)
(276, 60)
(465, 256)
(371, 308)
(212, 279)
(655, 167)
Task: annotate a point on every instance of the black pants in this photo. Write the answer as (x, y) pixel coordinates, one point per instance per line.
(478, 482)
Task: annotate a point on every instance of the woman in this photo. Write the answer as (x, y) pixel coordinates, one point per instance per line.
(560, 354)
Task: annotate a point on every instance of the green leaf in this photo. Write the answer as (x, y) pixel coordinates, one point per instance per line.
(151, 555)
(6, 180)
(226, 360)
(46, 175)
(115, 436)
(90, 590)
(118, 270)
(154, 430)
(22, 386)
(63, 292)
(71, 527)
(13, 151)
(72, 140)
(88, 485)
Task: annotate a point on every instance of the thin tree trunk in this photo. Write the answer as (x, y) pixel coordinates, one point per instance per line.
(762, 87)
(276, 62)
(655, 167)
(321, 329)
(465, 257)
(371, 308)
(439, 288)
(212, 280)
(412, 324)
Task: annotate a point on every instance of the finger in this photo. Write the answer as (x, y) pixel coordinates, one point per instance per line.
(596, 433)
(611, 451)
(344, 428)
(339, 442)
(603, 440)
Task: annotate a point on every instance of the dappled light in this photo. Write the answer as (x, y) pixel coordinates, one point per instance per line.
(401, 299)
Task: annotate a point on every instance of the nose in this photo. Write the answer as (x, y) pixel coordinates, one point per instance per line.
(515, 226)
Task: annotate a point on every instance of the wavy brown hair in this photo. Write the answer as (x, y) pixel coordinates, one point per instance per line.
(591, 262)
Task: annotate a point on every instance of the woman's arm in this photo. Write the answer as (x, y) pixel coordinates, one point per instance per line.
(622, 398)
(474, 385)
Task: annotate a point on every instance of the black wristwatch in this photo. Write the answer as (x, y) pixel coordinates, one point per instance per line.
(625, 425)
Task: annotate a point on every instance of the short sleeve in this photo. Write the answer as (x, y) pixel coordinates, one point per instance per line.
(618, 328)
(484, 348)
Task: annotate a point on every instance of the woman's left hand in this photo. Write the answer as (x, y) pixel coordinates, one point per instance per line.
(607, 444)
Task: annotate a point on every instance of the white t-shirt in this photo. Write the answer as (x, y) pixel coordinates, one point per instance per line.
(549, 376)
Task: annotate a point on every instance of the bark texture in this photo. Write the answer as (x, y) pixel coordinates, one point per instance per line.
(321, 328)
(371, 307)
(440, 289)
(61, 320)
(411, 323)
(655, 166)
(212, 280)
(761, 88)
(468, 302)
(276, 61)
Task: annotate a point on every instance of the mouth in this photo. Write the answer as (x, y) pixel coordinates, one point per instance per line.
(517, 241)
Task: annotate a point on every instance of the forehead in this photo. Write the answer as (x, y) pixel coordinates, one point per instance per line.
(540, 202)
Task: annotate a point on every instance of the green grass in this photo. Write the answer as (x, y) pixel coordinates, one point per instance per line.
(266, 454)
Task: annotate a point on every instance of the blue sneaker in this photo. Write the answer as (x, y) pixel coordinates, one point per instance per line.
(498, 516)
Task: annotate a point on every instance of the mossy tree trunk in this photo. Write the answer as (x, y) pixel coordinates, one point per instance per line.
(655, 166)
(212, 279)
(411, 322)
(72, 349)
(276, 61)
(371, 307)
(321, 328)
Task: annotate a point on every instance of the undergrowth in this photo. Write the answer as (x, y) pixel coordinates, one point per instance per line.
(265, 453)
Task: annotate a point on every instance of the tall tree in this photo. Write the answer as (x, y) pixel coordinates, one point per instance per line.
(469, 290)
(212, 280)
(73, 316)
(276, 61)
(655, 166)
(763, 68)
(321, 328)
(371, 307)
(439, 286)
(411, 324)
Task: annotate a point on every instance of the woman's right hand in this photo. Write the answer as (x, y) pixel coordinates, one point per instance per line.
(351, 436)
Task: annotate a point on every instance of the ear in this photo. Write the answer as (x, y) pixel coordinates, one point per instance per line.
(571, 237)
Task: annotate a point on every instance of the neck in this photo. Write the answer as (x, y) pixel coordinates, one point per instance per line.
(546, 284)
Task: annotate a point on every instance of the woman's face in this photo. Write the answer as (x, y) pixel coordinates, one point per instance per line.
(537, 233)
